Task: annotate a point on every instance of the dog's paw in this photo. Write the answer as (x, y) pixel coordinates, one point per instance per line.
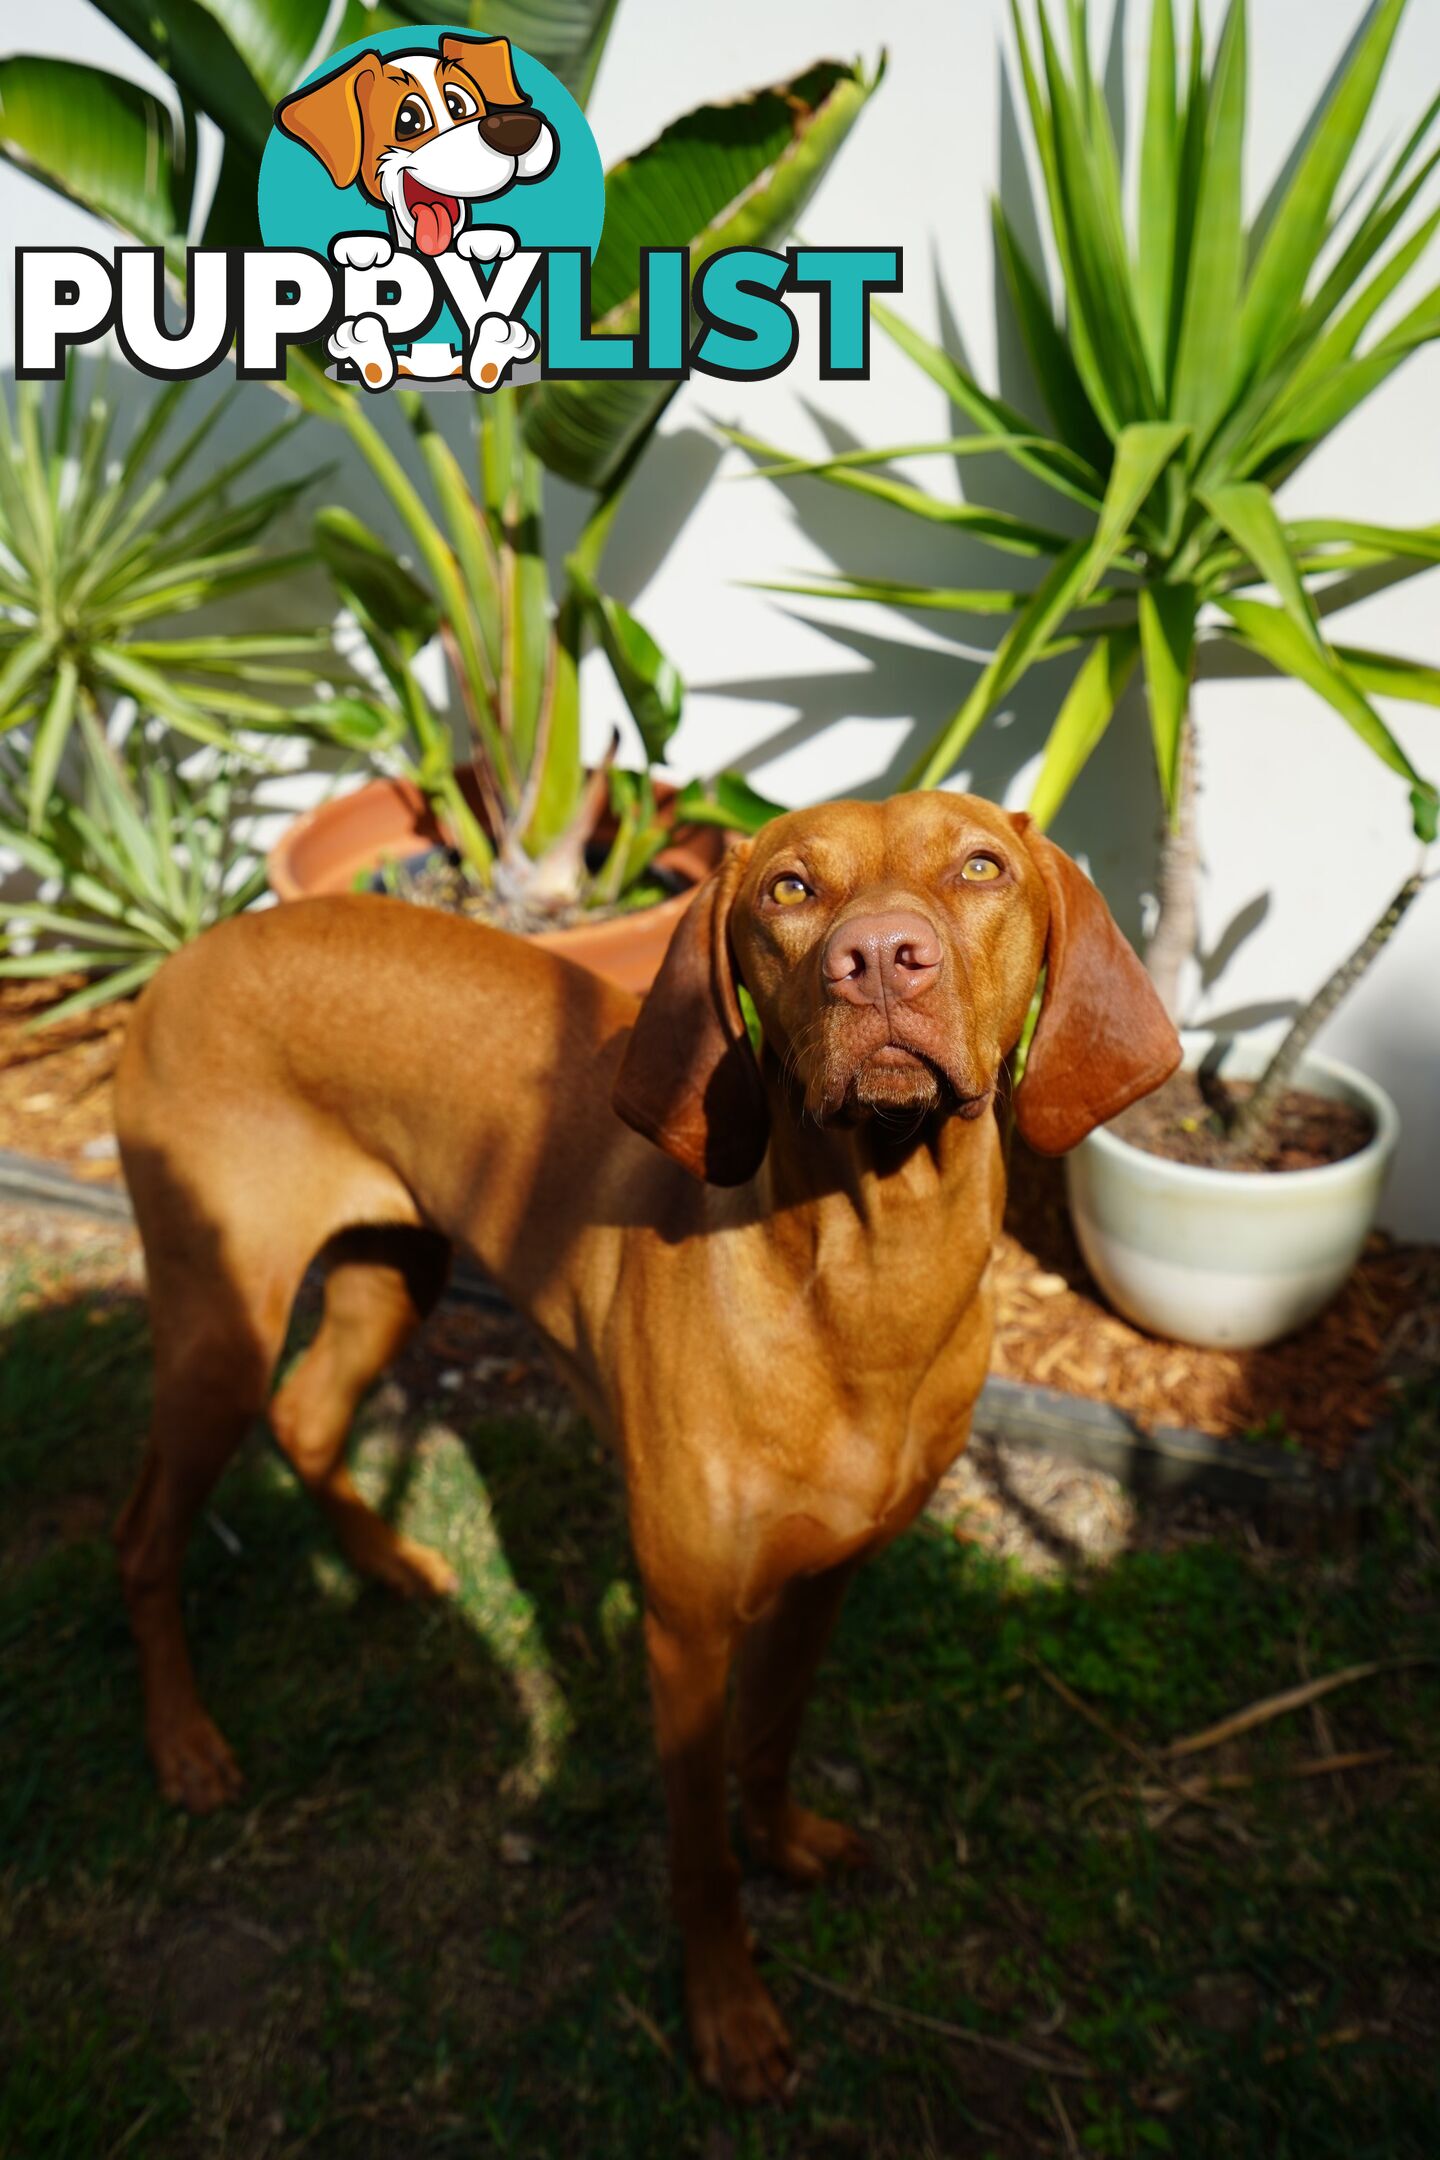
(742, 2048)
(193, 1763)
(362, 250)
(486, 243)
(497, 344)
(803, 1846)
(364, 345)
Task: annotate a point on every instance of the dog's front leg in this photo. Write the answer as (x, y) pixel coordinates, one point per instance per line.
(741, 2045)
(778, 1661)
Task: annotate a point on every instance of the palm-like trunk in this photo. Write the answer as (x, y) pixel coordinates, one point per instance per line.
(1176, 935)
(1254, 1114)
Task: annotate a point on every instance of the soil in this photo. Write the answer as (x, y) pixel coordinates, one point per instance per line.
(1320, 1389)
(439, 879)
(1185, 1121)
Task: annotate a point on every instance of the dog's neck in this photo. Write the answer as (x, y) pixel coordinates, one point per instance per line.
(874, 1171)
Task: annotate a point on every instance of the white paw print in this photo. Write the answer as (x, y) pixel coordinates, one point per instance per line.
(361, 250)
(496, 344)
(364, 344)
(486, 243)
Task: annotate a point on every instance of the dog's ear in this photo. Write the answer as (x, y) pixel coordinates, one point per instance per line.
(327, 117)
(689, 1080)
(1103, 1038)
(488, 64)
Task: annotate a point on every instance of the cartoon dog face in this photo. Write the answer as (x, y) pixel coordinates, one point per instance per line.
(424, 133)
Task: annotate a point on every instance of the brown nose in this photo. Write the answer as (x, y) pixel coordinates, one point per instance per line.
(511, 133)
(872, 959)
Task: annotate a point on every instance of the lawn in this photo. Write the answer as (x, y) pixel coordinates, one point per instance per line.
(437, 1923)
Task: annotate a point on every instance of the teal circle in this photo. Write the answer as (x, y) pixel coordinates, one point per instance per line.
(301, 207)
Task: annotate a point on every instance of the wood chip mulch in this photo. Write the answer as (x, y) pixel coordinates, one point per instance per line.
(1325, 1386)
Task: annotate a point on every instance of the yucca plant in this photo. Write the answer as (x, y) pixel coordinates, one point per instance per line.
(103, 545)
(141, 859)
(512, 655)
(1198, 360)
(513, 650)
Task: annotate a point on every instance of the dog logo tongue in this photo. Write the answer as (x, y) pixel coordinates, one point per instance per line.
(433, 227)
(436, 217)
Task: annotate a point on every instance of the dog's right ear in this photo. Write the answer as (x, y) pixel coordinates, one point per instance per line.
(689, 1080)
(328, 119)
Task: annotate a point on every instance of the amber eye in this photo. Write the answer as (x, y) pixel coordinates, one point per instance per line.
(789, 891)
(459, 103)
(980, 870)
(412, 119)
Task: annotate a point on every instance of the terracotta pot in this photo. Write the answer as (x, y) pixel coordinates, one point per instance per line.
(330, 848)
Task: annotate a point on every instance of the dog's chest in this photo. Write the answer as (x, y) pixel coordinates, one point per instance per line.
(845, 1419)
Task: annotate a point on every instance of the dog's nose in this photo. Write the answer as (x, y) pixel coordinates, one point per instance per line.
(872, 959)
(511, 133)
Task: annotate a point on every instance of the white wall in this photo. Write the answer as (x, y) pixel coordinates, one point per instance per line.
(815, 699)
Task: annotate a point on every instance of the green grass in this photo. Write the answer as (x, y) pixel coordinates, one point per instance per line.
(351, 1963)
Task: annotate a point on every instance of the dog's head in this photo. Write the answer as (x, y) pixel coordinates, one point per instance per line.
(891, 951)
(424, 133)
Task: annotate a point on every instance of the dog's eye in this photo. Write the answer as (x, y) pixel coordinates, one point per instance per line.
(459, 103)
(980, 870)
(789, 891)
(412, 119)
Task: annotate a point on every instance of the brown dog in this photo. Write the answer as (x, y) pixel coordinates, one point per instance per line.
(782, 1339)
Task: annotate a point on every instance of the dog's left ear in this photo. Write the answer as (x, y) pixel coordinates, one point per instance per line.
(488, 64)
(1103, 1038)
(689, 1080)
(328, 120)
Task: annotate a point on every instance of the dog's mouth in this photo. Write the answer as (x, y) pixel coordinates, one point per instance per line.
(436, 216)
(894, 1080)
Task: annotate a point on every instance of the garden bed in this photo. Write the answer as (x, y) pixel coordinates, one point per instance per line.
(1307, 1403)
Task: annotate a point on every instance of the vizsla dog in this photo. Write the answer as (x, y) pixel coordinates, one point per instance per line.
(766, 1277)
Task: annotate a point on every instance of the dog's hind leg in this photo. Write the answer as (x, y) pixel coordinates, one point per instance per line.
(218, 1324)
(380, 1285)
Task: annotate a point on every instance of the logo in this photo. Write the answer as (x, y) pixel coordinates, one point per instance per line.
(430, 204)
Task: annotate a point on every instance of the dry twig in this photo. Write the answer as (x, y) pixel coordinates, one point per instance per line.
(1139, 1754)
(1031, 2058)
(1273, 1706)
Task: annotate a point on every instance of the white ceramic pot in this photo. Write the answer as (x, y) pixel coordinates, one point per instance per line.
(1229, 1258)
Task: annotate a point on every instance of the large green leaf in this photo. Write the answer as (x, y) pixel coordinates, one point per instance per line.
(1025, 640)
(1051, 361)
(1167, 637)
(1247, 512)
(1205, 359)
(1387, 675)
(727, 800)
(1104, 328)
(187, 40)
(568, 36)
(1015, 535)
(1052, 462)
(1082, 720)
(108, 145)
(649, 681)
(736, 175)
(274, 38)
(372, 579)
(1160, 146)
(1301, 222)
(1141, 455)
(1272, 633)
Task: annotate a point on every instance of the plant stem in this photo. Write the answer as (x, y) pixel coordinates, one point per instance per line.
(1177, 882)
(1256, 1112)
